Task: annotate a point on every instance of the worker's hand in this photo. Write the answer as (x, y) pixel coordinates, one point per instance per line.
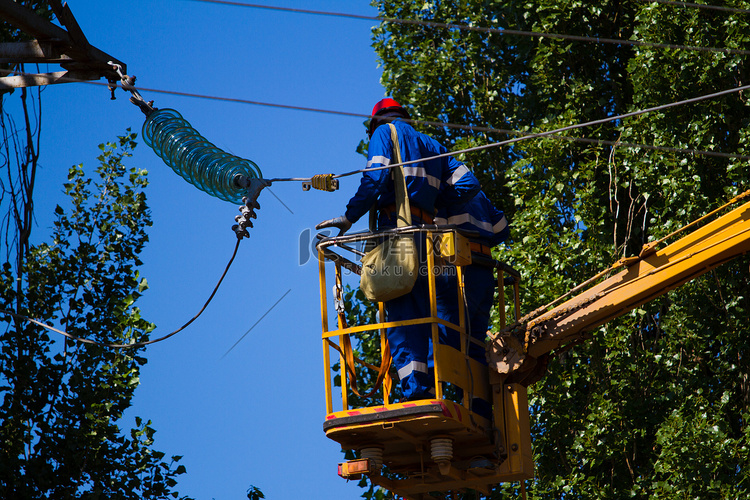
(340, 222)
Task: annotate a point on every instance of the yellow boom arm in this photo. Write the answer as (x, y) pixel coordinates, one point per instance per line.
(516, 349)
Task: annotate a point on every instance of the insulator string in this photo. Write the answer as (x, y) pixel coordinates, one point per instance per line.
(196, 159)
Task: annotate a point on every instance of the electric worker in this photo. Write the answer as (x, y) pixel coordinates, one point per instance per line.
(442, 180)
(487, 227)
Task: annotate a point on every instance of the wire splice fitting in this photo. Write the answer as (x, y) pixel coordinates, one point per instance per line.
(250, 204)
(323, 182)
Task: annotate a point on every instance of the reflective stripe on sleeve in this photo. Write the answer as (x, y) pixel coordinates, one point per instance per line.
(457, 174)
(500, 225)
(379, 159)
(414, 366)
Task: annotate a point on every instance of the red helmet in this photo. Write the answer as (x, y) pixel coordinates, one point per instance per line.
(382, 107)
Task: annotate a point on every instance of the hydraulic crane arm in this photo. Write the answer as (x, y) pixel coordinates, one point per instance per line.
(515, 350)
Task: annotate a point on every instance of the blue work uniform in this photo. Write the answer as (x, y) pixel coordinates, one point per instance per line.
(443, 181)
(489, 228)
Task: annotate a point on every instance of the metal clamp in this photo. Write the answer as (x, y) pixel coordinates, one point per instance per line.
(250, 200)
(338, 299)
(128, 84)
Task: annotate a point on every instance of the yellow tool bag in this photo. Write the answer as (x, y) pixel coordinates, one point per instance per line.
(390, 269)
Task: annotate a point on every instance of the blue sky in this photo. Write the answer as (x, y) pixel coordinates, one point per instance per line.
(255, 415)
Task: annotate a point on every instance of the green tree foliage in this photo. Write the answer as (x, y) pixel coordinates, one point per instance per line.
(655, 405)
(9, 33)
(61, 400)
(254, 493)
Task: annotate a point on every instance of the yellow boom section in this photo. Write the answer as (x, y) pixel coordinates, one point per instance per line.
(515, 349)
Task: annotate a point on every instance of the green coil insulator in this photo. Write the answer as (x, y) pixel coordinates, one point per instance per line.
(194, 158)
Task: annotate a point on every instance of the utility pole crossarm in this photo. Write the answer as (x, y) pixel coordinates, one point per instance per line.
(52, 44)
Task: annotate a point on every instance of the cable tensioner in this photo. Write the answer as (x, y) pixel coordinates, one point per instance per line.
(323, 182)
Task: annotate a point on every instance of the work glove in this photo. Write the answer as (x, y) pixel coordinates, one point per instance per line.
(340, 222)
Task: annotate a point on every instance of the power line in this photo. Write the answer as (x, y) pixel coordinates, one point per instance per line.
(632, 145)
(456, 126)
(700, 6)
(133, 345)
(469, 128)
(483, 29)
(543, 134)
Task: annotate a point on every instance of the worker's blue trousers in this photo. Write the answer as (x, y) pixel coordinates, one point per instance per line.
(410, 344)
(479, 289)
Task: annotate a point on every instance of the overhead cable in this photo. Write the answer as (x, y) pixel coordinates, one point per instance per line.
(541, 134)
(700, 6)
(457, 126)
(132, 345)
(483, 29)
(469, 128)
